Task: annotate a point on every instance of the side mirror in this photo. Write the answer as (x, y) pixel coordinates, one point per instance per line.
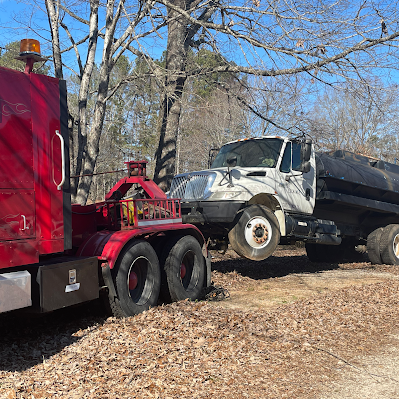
(306, 150)
(232, 162)
(211, 156)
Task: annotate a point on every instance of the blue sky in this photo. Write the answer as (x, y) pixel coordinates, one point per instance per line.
(18, 22)
(15, 14)
(10, 30)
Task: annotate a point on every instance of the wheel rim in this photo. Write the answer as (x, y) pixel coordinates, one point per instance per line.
(139, 284)
(258, 232)
(396, 246)
(133, 280)
(188, 272)
(183, 270)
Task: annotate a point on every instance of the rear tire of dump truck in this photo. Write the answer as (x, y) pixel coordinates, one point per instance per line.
(373, 246)
(137, 280)
(183, 269)
(389, 244)
(256, 234)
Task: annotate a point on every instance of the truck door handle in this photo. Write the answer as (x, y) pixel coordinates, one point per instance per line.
(59, 186)
(24, 220)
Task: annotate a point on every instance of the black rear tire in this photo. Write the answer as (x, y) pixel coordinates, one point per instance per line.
(373, 246)
(256, 234)
(389, 244)
(137, 279)
(184, 269)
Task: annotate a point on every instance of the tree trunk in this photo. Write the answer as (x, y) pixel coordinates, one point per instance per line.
(176, 57)
(53, 15)
(94, 135)
(83, 96)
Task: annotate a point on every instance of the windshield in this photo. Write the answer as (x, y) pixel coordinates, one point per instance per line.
(250, 153)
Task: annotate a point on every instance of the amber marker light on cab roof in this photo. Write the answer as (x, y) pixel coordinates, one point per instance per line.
(29, 48)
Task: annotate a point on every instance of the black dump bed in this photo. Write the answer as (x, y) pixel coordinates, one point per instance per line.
(356, 190)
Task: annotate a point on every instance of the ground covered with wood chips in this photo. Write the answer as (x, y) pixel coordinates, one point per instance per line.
(263, 342)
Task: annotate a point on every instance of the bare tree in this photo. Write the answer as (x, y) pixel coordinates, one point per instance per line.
(324, 42)
(357, 118)
(207, 124)
(115, 36)
(181, 32)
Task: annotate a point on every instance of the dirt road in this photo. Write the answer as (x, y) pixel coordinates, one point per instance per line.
(374, 376)
(288, 276)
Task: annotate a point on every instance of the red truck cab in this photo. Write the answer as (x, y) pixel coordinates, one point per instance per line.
(54, 254)
(33, 168)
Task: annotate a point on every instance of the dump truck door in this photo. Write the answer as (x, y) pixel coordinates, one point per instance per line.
(296, 190)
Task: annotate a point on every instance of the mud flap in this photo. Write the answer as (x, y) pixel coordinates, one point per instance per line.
(108, 281)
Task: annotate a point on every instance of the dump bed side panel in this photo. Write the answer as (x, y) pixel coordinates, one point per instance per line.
(355, 175)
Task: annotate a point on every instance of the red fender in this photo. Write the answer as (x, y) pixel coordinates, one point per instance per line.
(107, 245)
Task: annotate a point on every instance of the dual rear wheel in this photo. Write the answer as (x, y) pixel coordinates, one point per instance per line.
(383, 245)
(138, 275)
(183, 269)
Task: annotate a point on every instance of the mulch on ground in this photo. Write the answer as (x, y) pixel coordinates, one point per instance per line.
(194, 350)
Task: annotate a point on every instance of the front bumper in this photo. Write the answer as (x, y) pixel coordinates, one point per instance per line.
(199, 212)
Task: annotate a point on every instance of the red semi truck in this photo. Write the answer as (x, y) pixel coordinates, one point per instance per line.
(132, 245)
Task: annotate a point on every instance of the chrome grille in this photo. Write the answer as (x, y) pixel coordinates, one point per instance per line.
(178, 187)
(189, 186)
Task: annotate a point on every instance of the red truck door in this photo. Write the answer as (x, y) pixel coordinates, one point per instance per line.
(34, 196)
(17, 198)
(49, 163)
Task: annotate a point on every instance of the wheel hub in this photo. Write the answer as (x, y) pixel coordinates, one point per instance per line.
(133, 280)
(183, 270)
(396, 246)
(260, 233)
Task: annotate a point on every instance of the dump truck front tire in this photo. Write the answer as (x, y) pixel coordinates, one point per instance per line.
(256, 234)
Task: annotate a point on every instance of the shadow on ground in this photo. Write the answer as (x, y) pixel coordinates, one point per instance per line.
(28, 339)
(275, 266)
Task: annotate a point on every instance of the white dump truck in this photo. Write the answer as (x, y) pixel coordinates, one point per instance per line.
(271, 190)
